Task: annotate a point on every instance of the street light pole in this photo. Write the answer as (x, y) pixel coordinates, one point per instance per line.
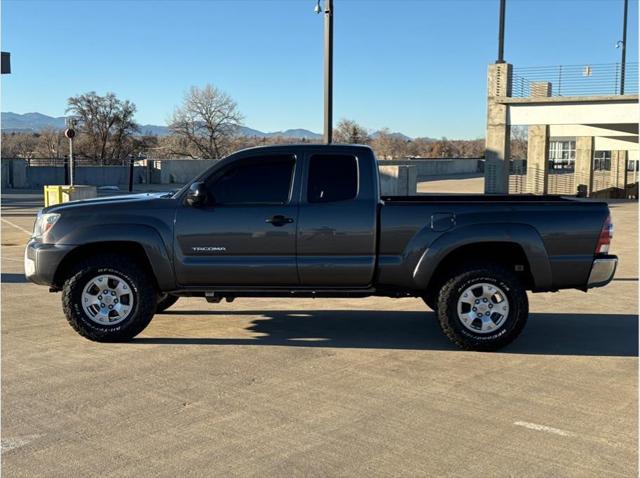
(328, 71)
(70, 133)
(501, 33)
(623, 47)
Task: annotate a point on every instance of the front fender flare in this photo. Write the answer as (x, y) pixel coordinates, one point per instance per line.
(155, 249)
(523, 235)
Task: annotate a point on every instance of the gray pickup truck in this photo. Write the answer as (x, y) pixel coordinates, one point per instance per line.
(309, 221)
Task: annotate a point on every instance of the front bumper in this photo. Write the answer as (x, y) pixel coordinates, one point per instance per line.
(602, 271)
(41, 261)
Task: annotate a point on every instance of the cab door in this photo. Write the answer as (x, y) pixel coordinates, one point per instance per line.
(337, 229)
(246, 234)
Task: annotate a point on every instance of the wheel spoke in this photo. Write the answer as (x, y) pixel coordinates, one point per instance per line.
(467, 298)
(466, 318)
(487, 324)
(122, 289)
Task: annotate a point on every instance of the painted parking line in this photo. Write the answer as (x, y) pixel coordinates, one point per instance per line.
(26, 231)
(9, 444)
(544, 428)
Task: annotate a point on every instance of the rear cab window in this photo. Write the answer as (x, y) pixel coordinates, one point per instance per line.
(332, 178)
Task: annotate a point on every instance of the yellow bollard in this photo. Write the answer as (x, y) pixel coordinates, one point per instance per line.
(58, 194)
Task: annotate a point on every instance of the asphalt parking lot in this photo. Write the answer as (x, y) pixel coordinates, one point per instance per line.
(362, 387)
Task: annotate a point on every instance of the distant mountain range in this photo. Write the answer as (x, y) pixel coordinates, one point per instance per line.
(33, 122)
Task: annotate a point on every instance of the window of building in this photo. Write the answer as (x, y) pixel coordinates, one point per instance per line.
(602, 160)
(562, 153)
(261, 180)
(332, 177)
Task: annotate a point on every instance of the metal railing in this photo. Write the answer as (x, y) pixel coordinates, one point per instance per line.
(61, 162)
(564, 182)
(575, 80)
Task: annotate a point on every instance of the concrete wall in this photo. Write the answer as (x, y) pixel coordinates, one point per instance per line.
(16, 173)
(111, 176)
(398, 177)
(5, 167)
(426, 168)
(398, 180)
(177, 171)
(38, 176)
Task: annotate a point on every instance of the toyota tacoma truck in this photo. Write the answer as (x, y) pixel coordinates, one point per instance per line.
(309, 221)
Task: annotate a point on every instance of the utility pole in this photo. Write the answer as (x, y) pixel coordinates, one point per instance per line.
(328, 71)
(6, 63)
(623, 47)
(501, 33)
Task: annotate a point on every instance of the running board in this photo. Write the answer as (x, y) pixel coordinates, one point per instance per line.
(229, 294)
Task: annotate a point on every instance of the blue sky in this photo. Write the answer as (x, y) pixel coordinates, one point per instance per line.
(414, 66)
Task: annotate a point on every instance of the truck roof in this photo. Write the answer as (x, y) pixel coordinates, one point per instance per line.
(305, 146)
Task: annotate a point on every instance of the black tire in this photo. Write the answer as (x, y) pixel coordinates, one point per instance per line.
(165, 301)
(430, 297)
(510, 328)
(139, 282)
(431, 300)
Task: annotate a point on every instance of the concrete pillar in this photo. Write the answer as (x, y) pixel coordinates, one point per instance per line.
(619, 162)
(538, 146)
(538, 159)
(496, 172)
(540, 89)
(584, 162)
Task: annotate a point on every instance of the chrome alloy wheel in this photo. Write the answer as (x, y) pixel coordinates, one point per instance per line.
(483, 308)
(107, 299)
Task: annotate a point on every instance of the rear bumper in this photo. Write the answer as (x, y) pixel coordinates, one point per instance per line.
(602, 271)
(41, 261)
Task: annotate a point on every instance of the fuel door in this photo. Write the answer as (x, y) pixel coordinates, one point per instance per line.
(442, 221)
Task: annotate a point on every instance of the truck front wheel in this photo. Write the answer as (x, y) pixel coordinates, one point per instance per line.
(109, 298)
(483, 308)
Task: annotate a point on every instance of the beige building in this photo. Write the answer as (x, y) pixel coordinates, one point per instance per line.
(580, 129)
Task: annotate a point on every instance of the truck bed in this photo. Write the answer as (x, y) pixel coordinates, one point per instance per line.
(565, 230)
(475, 198)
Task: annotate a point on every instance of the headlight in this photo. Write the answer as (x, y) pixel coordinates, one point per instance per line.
(44, 223)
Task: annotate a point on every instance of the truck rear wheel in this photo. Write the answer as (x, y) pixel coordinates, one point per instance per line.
(165, 301)
(109, 298)
(484, 308)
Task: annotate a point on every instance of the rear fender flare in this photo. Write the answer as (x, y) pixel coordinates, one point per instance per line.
(523, 235)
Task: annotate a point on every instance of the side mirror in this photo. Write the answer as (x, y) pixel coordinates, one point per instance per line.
(197, 194)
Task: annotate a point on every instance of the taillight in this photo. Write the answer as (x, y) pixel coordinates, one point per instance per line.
(605, 236)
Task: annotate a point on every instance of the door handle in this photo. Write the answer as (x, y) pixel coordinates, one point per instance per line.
(279, 220)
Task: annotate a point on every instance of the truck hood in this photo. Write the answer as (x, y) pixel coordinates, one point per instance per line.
(113, 200)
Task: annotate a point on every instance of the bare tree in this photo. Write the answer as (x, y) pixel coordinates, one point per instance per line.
(388, 145)
(348, 131)
(19, 145)
(107, 123)
(207, 121)
(52, 144)
(519, 142)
